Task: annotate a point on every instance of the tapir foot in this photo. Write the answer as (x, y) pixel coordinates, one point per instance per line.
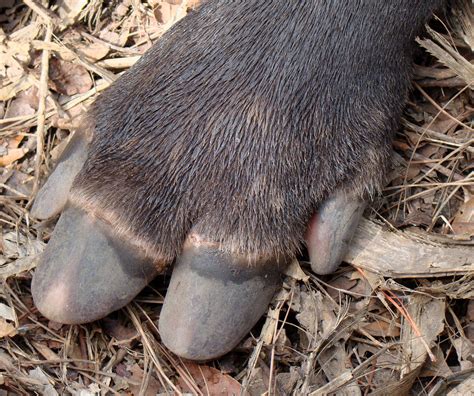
(86, 272)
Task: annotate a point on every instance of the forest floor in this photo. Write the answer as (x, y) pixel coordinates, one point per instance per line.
(397, 318)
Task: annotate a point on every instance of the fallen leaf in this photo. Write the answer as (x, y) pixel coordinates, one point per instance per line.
(93, 51)
(118, 330)
(294, 271)
(334, 363)
(45, 351)
(166, 13)
(439, 368)
(18, 266)
(69, 10)
(380, 328)
(68, 78)
(464, 388)
(417, 334)
(20, 182)
(12, 155)
(7, 312)
(286, 382)
(9, 91)
(15, 141)
(465, 351)
(210, 381)
(19, 246)
(7, 329)
(47, 388)
(463, 222)
(25, 104)
(136, 379)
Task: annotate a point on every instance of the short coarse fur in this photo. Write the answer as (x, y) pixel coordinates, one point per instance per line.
(245, 116)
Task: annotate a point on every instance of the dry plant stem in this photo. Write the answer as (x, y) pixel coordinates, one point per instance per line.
(43, 92)
(147, 345)
(183, 372)
(48, 16)
(276, 334)
(440, 168)
(403, 197)
(271, 323)
(22, 121)
(445, 200)
(436, 135)
(441, 109)
(403, 311)
(118, 48)
(105, 74)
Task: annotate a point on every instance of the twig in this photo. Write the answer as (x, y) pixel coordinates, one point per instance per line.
(441, 109)
(49, 17)
(404, 312)
(43, 92)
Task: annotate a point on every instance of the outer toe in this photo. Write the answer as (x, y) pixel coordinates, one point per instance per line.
(85, 272)
(52, 197)
(331, 230)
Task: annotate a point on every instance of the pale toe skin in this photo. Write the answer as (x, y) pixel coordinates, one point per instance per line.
(214, 299)
(86, 272)
(331, 230)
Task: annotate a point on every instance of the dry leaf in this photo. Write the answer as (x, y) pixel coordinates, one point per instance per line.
(285, 382)
(118, 330)
(465, 388)
(417, 335)
(69, 10)
(9, 91)
(18, 266)
(20, 183)
(68, 78)
(45, 351)
(12, 156)
(19, 246)
(169, 11)
(7, 329)
(380, 328)
(439, 368)
(294, 271)
(137, 377)
(463, 222)
(25, 104)
(93, 51)
(465, 351)
(7, 312)
(211, 381)
(47, 388)
(335, 365)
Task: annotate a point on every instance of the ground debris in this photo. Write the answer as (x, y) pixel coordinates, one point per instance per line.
(398, 320)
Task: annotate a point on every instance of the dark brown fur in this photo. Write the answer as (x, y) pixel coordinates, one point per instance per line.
(245, 116)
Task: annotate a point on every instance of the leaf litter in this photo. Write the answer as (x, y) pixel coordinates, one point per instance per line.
(396, 318)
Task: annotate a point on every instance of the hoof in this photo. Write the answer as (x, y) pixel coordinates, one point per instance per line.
(214, 299)
(86, 272)
(52, 197)
(331, 230)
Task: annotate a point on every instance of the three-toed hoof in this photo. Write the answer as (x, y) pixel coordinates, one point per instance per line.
(213, 300)
(86, 272)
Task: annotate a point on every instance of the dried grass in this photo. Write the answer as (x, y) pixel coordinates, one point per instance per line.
(355, 332)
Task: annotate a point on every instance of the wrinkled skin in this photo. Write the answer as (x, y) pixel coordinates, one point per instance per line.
(249, 129)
